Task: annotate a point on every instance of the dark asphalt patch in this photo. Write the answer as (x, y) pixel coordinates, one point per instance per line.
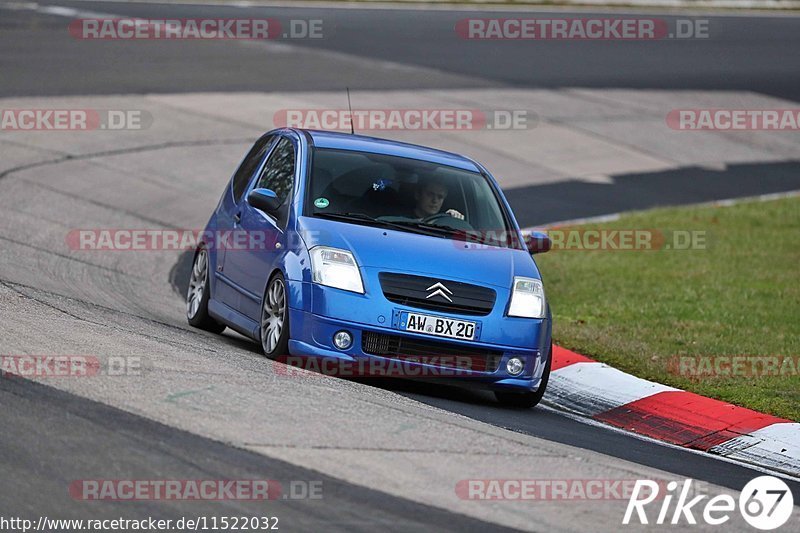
(568, 200)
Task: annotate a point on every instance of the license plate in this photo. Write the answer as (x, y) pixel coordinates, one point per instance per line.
(437, 325)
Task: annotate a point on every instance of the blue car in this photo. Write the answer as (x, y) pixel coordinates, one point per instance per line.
(338, 247)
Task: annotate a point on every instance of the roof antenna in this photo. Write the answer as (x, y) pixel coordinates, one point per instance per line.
(352, 131)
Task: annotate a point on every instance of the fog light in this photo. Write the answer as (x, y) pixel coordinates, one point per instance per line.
(342, 339)
(514, 366)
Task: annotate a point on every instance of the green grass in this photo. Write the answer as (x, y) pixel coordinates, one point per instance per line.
(637, 310)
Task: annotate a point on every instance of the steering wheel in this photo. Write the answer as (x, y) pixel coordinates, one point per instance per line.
(437, 216)
(449, 221)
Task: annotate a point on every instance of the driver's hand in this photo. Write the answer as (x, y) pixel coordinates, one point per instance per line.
(455, 214)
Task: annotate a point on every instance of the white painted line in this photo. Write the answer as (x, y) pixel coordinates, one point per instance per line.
(58, 11)
(578, 221)
(724, 4)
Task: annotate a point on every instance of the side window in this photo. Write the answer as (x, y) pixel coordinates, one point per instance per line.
(249, 165)
(278, 174)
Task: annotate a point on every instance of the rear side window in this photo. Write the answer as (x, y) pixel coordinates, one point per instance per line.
(249, 165)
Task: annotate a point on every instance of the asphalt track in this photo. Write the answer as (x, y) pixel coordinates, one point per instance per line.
(211, 407)
(742, 53)
(148, 450)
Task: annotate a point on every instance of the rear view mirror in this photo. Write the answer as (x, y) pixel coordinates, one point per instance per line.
(264, 199)
(537, 242)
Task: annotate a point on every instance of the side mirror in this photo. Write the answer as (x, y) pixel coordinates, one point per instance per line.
(264, 199)
(537, 242)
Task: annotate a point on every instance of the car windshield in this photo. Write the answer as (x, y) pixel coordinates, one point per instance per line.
(408, 195)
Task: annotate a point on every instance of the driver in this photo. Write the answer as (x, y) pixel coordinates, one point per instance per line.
(429, 197)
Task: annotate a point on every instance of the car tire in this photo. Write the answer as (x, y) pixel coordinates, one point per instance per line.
(527, 400)
(199, 293)
(274, 325)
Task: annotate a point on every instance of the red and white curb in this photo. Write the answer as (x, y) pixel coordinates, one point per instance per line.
(605, 394)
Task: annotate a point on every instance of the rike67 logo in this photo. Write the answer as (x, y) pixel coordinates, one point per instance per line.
(766, 503)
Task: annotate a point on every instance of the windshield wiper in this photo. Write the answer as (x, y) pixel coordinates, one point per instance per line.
(471, 236)
(440, 230)
(347, 216)
(402, 226)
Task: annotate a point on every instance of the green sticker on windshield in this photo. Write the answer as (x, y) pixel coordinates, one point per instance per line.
(322, 203)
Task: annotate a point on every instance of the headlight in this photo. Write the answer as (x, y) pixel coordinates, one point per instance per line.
(335, 268)
(527, 299)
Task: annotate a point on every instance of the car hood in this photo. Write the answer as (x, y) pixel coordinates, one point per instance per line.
(401, 251)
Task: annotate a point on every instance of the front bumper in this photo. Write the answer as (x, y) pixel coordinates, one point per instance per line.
(323, 311)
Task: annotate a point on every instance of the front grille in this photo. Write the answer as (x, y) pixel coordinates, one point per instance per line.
(440, 354)
(415, 291)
